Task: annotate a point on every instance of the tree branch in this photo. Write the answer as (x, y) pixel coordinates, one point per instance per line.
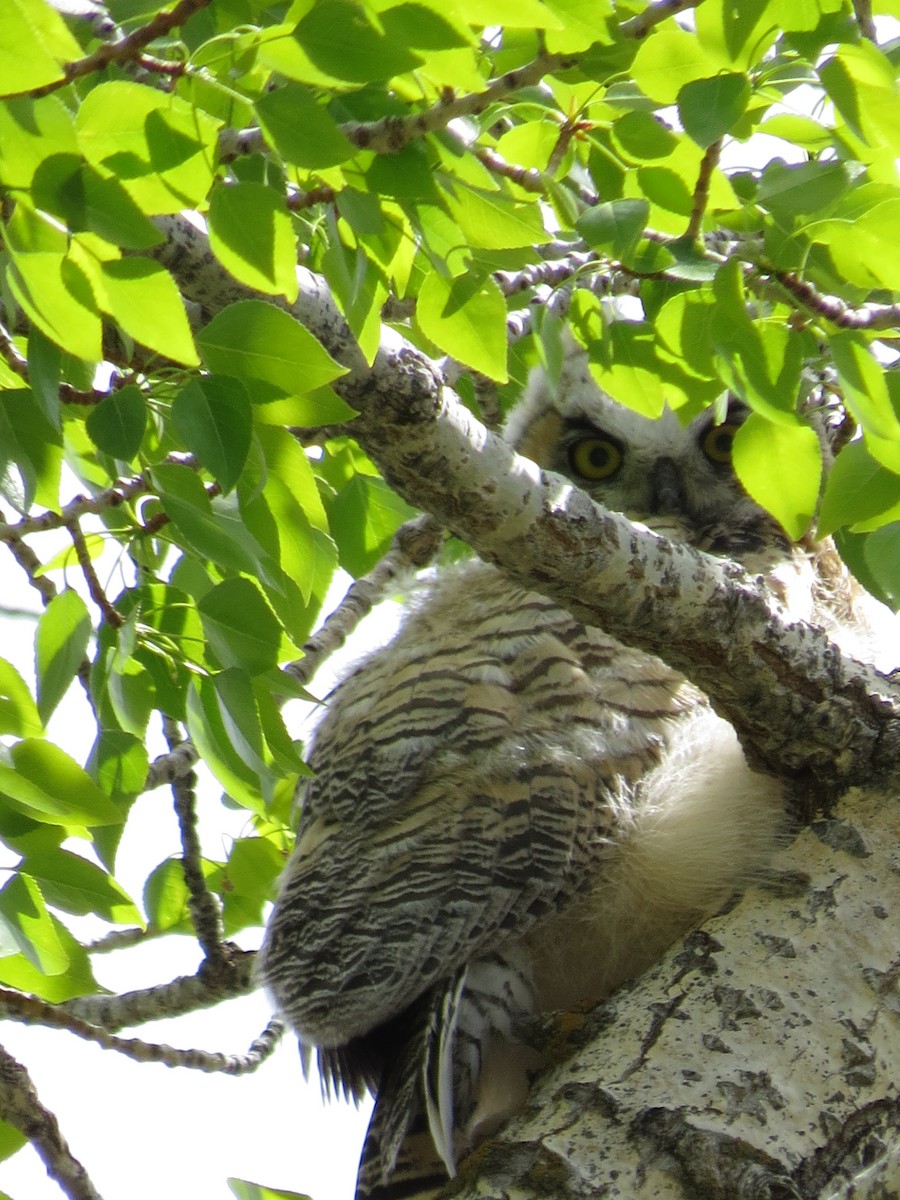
(211, 985)
(20, 1106)
(31, 1010)
(802, 710)
(126, 49)
(204, 907)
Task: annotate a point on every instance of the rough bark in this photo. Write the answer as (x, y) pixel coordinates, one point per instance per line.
(761, 1058)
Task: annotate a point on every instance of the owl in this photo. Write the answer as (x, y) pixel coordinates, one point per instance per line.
(512, 812)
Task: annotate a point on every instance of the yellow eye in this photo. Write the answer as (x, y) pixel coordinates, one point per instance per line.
(595, 458)
(718, 440)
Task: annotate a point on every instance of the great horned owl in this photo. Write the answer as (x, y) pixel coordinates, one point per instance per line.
(513, 812)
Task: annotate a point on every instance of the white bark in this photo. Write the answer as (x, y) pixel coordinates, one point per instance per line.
(761, 1058)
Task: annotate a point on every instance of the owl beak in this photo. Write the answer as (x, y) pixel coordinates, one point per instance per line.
(667, 493)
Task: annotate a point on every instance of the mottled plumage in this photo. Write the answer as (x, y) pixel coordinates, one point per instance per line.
(513, 812)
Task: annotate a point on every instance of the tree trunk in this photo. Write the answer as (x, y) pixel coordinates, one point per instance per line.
(761, 1058)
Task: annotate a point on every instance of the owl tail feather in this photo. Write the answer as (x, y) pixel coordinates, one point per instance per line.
(430, 1105)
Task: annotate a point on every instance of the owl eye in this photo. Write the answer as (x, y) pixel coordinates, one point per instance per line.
(718, 440)
(595, 458)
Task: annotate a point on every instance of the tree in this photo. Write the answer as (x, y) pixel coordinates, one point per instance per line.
(455, 181)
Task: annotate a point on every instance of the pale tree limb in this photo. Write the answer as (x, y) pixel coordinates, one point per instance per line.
(188, 993)
(801, 709)
(21, 1108)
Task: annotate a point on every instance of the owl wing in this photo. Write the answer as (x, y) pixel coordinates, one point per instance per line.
(465, 785)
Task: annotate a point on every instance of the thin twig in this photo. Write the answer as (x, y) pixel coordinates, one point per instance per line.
(97, 594)
(529, 178)
(169, 767)
(414, 545)
(30, 564)
(21, 1108)
(126, 49)
(701, 190)
(11, 354)
(392, 134)
(33, 1011)
(204, 907)
(836, 310)
(644, 22)
(862, 10)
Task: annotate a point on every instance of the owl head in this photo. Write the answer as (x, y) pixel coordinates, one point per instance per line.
(677, 479)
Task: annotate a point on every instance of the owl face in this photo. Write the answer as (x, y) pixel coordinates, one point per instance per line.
(676, 479)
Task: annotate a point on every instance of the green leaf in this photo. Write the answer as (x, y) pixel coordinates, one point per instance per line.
(343, 44)
(159, 147)
(78, 886)
(251, 234)
(73, 190)
(864, 248)
(739, 34)
(25, 915)
(617, 224)
(467, 320)
(640, 136)
(117, 425)
(760, 362)
(166, 898)
(18, 711)
(789, 190)
(30, 130)
(256, 1191)
(57, 296)
(858, 490)
(30, 452)
(491, 221)
(252, 872)
(365, 515)
(142, 297)
(300, 129)
(709, 108)
(780, 466)
(131, 693)
(17, 971)
(882, 555)
(258, 343)
(11, 1140)
(118, 762)
(241, 627)
(216, 747)
(42, 782)
(213, 533)
(667, 60)
(866, 393)
(44, 373)
(60, 646)
(33, 26)
(212, 417)
(625, 365)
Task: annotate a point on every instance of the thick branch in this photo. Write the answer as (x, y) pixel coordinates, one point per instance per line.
(801, 709)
